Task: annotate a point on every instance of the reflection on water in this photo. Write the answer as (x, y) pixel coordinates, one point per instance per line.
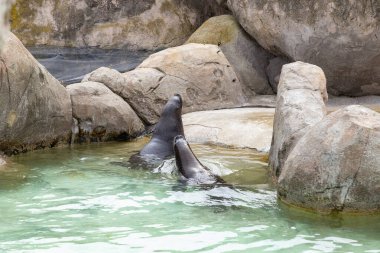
(76, 200)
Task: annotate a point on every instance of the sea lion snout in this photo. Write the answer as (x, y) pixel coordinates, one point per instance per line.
(177, 100)
(178, 96)
(179, 138)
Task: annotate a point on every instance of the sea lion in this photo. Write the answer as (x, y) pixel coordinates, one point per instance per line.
(192, 170)
(161, 145)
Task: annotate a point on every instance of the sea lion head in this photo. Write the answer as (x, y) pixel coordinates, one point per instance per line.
(170, 124)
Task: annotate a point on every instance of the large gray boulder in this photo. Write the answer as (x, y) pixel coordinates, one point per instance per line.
(35, 107)
(342, 37)
(201, 74)
(133, 86)
(248, 58)
(300, 104)
(335, 166)
(143, 24)
(101, 115)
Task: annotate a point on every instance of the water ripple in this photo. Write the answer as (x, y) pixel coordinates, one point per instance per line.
(75, 200)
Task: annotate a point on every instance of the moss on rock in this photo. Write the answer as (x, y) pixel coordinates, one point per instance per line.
(217, 30)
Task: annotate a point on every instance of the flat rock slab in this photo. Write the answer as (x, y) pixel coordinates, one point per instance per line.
(336, 103)
(239, 128)
(268, 101)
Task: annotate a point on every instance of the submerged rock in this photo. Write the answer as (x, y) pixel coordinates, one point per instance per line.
(102, 115)
(342, 37)
(237, 128)
(36, 108)
(143, 24)
(199, 73)
(247, 57)
(301, 101)
(335, 166)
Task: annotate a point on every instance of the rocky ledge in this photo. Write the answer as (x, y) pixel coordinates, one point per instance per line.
(236, 128)
(341, 37)
(201, 74)
(335, 166)
(323, 163)
(36, 108)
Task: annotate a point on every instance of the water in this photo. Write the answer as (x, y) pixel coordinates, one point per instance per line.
(76, 200)
(70, 65)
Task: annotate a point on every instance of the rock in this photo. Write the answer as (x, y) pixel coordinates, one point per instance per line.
(102, 115)
(144, 24)
(372, 102)
(199, 73)
(4, 6)
(247, 57)
(262, 101)
(105, 75)
(342, 37)
(133, 86)
(35, 107)
(300, 104)
(335, 166)
(273, 71)
(2, 162)
(237, 128)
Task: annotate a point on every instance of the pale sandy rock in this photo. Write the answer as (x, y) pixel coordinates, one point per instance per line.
(336, 103)
(4, 8)
(35, 107)
(237, 128)
(335, 166)
(101, 115)
(199, 73)
(300, 104)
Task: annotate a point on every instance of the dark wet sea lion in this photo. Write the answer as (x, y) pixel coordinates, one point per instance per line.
(161, 144)
(190, 167)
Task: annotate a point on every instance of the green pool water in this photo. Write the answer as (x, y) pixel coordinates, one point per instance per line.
(78, 200)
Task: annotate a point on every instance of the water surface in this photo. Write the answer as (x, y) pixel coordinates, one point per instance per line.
(70, 65)
(78, 200)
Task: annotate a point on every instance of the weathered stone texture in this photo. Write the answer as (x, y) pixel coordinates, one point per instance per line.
(335, 166)
(35, 107)
(102, 115)
(341, 37)
(146, 24)
(201, 74)
(300, 104)
(248, 58)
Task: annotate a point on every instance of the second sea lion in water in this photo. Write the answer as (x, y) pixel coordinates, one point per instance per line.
(189, 166)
